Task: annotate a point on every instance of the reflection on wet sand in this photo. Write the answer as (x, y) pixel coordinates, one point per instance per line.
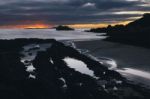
(136, 76)
(79, 66)
(61, 72)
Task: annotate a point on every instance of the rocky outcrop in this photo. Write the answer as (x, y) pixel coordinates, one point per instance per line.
(135, 33)
(63, 28)
(53, 78)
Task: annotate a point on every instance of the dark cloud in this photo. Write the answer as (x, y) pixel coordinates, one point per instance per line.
(68, 11)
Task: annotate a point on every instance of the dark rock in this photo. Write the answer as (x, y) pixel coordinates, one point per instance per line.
(56, 80)
(135, 33)
(66, 28)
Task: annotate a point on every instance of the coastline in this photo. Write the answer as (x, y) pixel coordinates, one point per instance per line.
(117, 51)
(133, 42)
(128, 60)
(36, 64)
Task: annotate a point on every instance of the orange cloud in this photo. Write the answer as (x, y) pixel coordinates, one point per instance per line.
(39, 25)
(97, 25)
(87, 25)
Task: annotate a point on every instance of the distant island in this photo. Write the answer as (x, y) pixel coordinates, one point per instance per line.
(134, 33)
(62, 27)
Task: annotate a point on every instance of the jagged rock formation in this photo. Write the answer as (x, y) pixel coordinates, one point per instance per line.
(50, 77)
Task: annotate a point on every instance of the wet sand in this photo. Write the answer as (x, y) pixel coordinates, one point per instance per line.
(34, 68)
(126, 56)
(131, 61)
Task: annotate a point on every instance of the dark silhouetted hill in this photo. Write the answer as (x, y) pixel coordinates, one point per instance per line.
(134, 33)
(142, 22)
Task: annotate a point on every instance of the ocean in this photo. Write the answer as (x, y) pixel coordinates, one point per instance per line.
(48, 34)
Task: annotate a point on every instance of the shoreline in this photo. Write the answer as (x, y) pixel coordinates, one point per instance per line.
(49, 64)
(107, 49)
(132, 42)
(132, 73)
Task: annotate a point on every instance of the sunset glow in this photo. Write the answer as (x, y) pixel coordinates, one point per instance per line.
(87, 25)
(25, 26)
(44, 26)
(74, 13)
(37, 26)
(100, 25)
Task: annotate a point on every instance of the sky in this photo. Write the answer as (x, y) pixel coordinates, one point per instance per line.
(77, 13)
